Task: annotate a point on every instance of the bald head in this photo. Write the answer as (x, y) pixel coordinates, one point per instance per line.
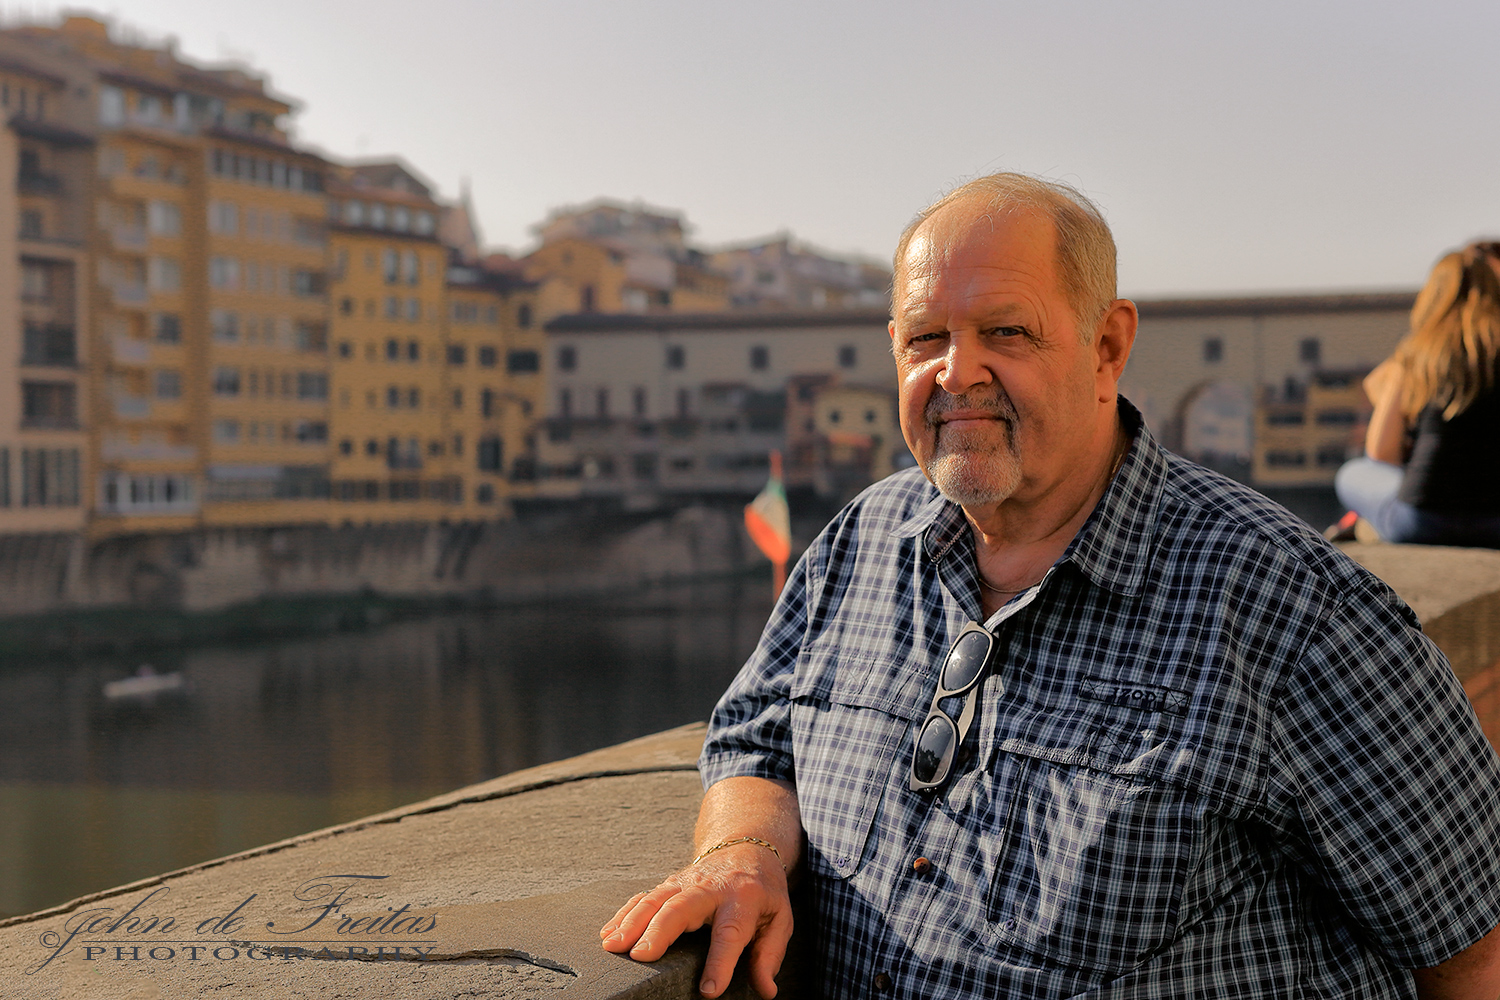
(1085, 249)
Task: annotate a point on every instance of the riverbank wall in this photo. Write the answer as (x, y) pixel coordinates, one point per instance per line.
(497, 562)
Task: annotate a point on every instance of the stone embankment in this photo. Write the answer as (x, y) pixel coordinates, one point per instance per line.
(530, 559)
(497, 890)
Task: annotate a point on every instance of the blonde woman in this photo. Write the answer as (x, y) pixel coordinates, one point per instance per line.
(1431, 471)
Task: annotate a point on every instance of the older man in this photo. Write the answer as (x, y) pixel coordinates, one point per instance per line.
(1070, 716)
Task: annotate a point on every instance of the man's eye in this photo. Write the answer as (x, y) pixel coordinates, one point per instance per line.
(1009, 331)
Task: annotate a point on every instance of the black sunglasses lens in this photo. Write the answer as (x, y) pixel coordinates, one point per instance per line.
(965, 662)
(934, 750)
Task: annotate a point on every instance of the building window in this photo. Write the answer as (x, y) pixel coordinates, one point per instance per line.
(226, 325)
(392, 307)
(1310, 350)
(168, 328)
(760, 358)
(390, 266)
(223, 218)
(490, 454)
(227, 431)
(49, 344)
(372, 447)
(567, 358)
(638, 401)
(168, 384)
(487, 357)
(601, 403)
(414, 397)
(684, 401)
(457, 355)
(224, 273)
(413, 350)
(346, 447)
(310, 432)
(346, 306)
(49, 477)
(392, 397)
(1213, 350)
(676, 357)
(312, 385)
(487, 402)
(458, 399)
(847, 356)
(31, 224)
(35, 281)
(346, 349)
(308, 283)
(522, 362)
(411, 268)
(523, 316)
(226, 381)
(393, 350)
(565, 402)
(49, 405)
(164, 218)
(413, 310)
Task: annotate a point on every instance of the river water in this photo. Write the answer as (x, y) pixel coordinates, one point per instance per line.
(272, 740)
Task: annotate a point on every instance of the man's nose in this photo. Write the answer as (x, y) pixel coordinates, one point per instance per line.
(964, 366)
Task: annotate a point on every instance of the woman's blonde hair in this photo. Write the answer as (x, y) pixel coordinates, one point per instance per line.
(1449, 359)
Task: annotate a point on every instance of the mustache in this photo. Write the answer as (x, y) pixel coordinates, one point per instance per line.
(991, 400)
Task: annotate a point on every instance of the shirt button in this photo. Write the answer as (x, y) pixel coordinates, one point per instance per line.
(882, 983)
(921, 866)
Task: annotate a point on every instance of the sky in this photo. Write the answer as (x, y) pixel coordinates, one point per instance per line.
(1235, 148)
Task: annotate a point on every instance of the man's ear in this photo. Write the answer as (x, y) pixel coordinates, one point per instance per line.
(1113, 339)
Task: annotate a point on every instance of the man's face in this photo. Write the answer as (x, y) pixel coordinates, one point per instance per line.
(999, 397)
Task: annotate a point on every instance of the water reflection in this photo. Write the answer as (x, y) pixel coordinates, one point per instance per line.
(272, 740)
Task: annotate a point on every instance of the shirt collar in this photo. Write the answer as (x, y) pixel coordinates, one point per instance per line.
(1113, 547)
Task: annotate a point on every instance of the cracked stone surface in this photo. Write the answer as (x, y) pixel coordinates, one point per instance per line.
(492, 891)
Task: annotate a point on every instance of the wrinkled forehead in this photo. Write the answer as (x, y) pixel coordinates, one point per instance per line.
(975, 235)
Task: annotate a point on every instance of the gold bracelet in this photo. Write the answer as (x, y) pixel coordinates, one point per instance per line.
(742, 840)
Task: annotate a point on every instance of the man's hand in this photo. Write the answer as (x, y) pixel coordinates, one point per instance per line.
(744, 896)
(740, 889)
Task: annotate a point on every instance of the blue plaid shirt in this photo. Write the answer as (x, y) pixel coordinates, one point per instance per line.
(1215, 758)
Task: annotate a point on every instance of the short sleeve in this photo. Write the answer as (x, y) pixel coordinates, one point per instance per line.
(1392, 789)
(749, 733)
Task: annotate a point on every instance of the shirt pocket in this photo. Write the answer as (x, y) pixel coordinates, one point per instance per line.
(1095, 855)
(847, 726)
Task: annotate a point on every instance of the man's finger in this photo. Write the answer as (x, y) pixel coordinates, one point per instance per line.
(733, 930)
(688, 910)
(638, 917)
(768, 951)
(613, 923)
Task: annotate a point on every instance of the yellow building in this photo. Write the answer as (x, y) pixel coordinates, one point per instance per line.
(1304, 432)
(495, 347)
(43, 391)
(394, 458)
(436, 369)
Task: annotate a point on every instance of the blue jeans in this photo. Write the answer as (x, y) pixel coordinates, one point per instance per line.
(1369, 488)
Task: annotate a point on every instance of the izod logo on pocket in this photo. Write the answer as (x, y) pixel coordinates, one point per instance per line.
(1145, 697)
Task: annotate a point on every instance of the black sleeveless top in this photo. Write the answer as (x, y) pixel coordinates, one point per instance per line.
(1455, 464)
